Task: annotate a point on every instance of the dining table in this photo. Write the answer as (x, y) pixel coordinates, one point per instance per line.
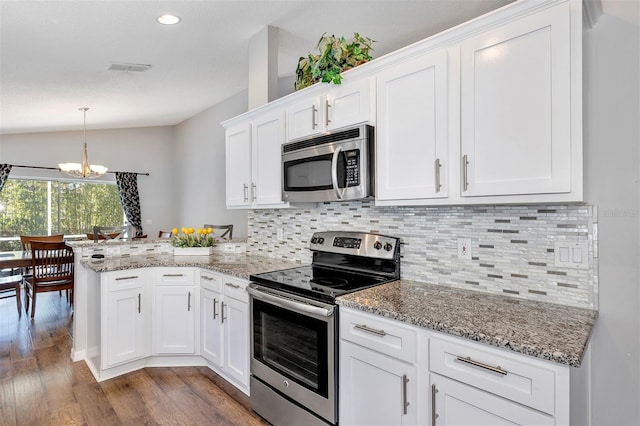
(15, 259)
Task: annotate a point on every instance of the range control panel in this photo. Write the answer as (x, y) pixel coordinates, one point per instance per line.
(355, 243)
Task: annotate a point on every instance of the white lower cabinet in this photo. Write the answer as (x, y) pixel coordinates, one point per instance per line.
(449, 380)
(124, 326)
(225, 326)
(174, 311)
(454, 403)
(375, 389)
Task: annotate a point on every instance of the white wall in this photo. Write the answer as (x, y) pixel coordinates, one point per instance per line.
(131, 150)
(612, 140)
(200, 156)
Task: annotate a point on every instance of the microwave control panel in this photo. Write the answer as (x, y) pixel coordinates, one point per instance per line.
(352, 167)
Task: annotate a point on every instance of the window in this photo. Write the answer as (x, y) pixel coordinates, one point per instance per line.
(47, 207)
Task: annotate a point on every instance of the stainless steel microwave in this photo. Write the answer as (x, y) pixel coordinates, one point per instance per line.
(331, 167)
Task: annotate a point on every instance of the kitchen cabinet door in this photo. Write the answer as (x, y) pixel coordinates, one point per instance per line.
(349, 103)
(457, 404)
(174, 314)
(125, 325)
(235, 317)
(516, 108)
(238, 165)
(305, 117)
(266, 159)
(412, 130)
(376, 389)
(211, 326)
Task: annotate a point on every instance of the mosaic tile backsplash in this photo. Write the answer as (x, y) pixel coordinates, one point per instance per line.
(512, 247)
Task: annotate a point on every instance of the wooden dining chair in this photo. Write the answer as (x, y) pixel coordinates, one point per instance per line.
(26, 240)
(51, 270)
(164, 234)
(109, 232)
(221, 231)
(10, 287)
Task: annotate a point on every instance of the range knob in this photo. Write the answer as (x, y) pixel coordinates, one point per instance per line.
(388, 246)
(314, 240)
(320, 240)
(377, 245)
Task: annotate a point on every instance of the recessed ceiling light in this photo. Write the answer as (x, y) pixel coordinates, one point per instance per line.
(168, 19)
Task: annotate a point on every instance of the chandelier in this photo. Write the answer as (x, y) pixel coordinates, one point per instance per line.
(84, 170)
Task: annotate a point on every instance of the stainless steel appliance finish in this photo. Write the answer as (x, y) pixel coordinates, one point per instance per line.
(294, 324)
(331, 167)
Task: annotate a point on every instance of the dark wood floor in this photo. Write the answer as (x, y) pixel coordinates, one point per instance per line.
(39, 385)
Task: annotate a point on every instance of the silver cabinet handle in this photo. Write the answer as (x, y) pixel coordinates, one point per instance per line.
(172, 275)
(215, 314)
(405, 403)
(314, 115)
(364, 327)
(132, 277)
(222, 312)
(232, 285)
(327, 105)
(465, 172)
(139, 302)
(205, 277)
(253, 191)
(246, 192)
(434, 415)
(491, 368)
(189, 302)
(438, 166)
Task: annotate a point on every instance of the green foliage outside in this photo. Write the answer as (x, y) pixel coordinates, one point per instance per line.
(75, 208)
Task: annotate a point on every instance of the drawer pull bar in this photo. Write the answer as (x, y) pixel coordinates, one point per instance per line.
(468, 360)
(405, 403)
(364, 327)
(131, 277)
(204, 277)
(232, 285)
(172, 275)
(434, 415)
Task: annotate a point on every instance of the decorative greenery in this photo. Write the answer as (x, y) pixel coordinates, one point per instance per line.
(335, 56)
(189, 239)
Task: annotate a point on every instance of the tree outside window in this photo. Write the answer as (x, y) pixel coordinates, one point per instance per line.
(41, 207)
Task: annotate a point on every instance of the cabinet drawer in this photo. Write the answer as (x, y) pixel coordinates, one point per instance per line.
(211, 281)
(380, 334)
(174, 276)
(514, 377)
(235, 288)
(125, 280)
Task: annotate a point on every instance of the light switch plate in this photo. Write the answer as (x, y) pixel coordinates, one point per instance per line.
(571, 255)
(464, 248)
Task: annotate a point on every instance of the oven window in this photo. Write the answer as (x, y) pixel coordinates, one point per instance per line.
(293, 344)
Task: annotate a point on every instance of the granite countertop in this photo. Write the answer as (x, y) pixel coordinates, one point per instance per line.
(123, 242)
(553, 332)
(238, 265)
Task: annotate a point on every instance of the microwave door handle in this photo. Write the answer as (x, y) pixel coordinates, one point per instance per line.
(334, 173)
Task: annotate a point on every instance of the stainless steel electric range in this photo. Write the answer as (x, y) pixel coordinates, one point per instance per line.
(294, 325)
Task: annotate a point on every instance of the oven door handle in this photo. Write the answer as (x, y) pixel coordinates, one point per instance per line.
(282, 302)
(334, 173)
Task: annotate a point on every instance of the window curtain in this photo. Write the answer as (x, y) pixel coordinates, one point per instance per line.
(5, 169)
(128, 190)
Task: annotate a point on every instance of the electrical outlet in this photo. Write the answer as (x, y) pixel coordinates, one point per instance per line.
(571, 255)
(464, 248)
(280, 234)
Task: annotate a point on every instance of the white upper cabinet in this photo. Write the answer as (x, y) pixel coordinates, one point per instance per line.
(412, 130)
(253, 162)
(330, 107)
(238, 165)
(516, 108)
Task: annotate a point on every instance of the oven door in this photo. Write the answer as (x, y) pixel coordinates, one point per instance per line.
(293, 348)
(331, 172)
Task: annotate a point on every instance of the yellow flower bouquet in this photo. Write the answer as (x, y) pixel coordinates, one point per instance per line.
(193, 238)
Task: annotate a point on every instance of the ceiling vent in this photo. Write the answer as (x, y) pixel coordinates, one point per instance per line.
(129, 67)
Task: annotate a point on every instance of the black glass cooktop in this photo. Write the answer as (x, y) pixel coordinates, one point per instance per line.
(317, 282)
